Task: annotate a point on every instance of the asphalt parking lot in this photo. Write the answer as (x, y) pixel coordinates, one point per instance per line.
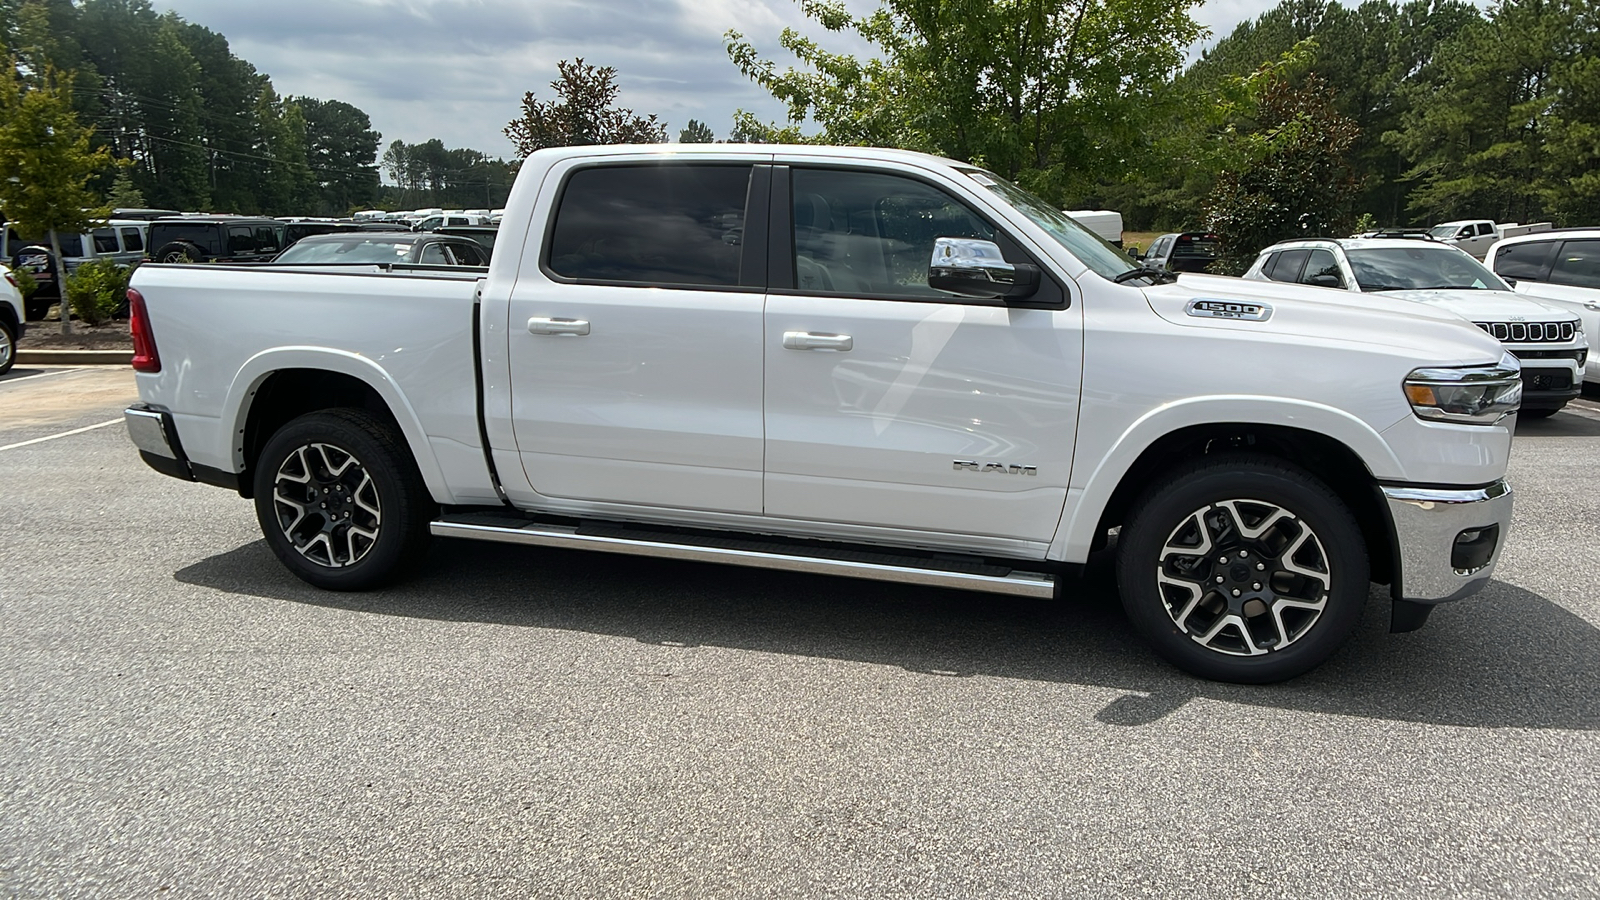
(179, 716)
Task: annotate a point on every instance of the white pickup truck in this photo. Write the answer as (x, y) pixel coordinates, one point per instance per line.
(855, 362)
(1476, 236)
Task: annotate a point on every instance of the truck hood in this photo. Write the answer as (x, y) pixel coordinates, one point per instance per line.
(1431, 333)
(1485, 306)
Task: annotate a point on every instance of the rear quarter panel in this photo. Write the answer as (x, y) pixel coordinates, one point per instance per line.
(222, 331)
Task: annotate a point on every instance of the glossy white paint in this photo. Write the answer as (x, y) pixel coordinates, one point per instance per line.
(684, 407)
(871, 435)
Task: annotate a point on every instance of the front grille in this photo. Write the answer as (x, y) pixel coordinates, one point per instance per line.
(1530, 332)
(1546, 380)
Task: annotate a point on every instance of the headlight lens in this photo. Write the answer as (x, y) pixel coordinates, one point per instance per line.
(1474, 395)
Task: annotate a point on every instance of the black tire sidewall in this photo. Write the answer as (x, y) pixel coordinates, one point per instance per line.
(179, 247)
(1161, 509)
(402, 499)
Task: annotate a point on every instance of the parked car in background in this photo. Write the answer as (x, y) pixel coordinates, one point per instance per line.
(12, 319)
(1104, 222)
(1476, 235)
(294, 230)
(484, 234)
(449, 220)
(1549, 340)
(379, 248)
(1561, 267)
(1191, 251)
(215, 238)
(121, 240)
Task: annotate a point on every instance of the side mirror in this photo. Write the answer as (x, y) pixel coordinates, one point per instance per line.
(1324, 280)
(968, 267)
(1133, 253)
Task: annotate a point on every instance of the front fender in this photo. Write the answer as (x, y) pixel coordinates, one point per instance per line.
(1088, 496)
(257, 369)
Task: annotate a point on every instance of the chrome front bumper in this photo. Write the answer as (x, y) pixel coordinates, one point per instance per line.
(1447, 540)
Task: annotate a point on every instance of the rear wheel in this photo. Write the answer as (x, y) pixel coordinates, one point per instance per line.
(1242, 568)
(340, 500)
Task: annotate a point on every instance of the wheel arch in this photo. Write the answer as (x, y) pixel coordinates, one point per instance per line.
(279, 385)
(1350, 465)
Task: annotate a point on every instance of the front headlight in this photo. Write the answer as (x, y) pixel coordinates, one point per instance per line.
(1474, 395)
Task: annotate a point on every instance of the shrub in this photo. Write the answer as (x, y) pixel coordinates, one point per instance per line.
(97, 290)
(26, 283)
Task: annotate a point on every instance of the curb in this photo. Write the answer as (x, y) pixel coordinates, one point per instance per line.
(74, 357)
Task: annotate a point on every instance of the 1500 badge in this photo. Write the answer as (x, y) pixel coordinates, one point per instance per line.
(1202, 308)
(971, 465)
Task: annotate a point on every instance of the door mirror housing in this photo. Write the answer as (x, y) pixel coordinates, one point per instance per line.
(1324, 280)
(969, 267)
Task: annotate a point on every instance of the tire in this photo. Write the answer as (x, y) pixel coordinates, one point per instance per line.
(179, 252)
(8, 346)
(369, 524)
(1538, 413)
(36, 309)
(1291, 593)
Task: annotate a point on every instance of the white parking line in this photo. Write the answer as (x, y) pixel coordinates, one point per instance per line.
(46, 374)
(61, 435)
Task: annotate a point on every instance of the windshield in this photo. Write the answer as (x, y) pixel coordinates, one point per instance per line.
(1090, 249)
(1420, 268)
(1444, 232)
(370, 250)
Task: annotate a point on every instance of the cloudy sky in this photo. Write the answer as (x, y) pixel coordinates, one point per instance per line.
(457, 69)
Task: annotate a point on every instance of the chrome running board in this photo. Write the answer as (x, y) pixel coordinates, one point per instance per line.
(843, 560)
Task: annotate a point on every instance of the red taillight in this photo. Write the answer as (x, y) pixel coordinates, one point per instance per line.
(13, 281)
(145, 358)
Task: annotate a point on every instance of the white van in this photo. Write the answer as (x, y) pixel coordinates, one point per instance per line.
(1104, 222)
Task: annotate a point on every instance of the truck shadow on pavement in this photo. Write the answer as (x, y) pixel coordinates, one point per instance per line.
(1559, 425)
(1505, 658)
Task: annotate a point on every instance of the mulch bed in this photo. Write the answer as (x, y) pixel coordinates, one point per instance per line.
(47, 335)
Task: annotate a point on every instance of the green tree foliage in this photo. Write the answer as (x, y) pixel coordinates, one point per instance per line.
(1510, 127)
(46, 161)
(581, 113)
(429, 174)
(123, 194)
(696, 132)
(1288, 172)
(1370, 56)
(342, 150)
(1058, 94)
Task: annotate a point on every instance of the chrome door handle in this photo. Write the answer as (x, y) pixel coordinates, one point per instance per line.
(1590, 304)
(807, 340)
(539, 325)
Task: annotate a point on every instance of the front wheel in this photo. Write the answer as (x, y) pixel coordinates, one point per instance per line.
(8, 347)
(340, 500)
(1242, 568)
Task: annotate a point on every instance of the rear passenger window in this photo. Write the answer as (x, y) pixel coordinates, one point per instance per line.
(131, 240)
(1288, 265)
(266, 239)
(467, 255)
(1321, 262)
(105, 240)
(656, 224)
(1578, 263)
(433, 255)
(241, 239)
(1524, 262)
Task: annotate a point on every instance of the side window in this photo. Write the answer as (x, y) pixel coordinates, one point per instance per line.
(266, 239)
(132, 241)
(669, 224)
(1485, 228)
(1524, 262)
(105, 240)
(241, 239)
(1321, 262)
(433, 255)
(467, 255)
(1290, 263)
(1269, 264)
(1578, 263)
(872, 233)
